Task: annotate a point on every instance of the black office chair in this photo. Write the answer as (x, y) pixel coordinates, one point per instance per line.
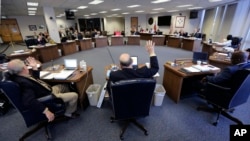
(12, 92)
(236, 42)
(225, 99)
(31, 42)
(131, 99)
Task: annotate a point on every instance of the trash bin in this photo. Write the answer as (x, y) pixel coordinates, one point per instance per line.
(159, 94)
(93, 93)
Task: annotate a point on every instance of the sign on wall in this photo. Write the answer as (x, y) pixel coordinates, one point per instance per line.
(180, 21)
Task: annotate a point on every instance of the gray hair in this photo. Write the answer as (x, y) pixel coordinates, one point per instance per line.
(15, 66)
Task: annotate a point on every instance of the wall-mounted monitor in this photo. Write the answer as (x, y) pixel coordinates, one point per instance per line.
(164, 20)
(69, 15)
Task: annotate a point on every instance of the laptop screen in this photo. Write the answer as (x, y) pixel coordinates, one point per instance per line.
(135, 61)
(70, 63)
(202, 56)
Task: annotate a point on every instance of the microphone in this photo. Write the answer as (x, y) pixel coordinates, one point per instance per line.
(114, 67)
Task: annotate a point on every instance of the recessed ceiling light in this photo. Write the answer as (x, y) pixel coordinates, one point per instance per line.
(73, 10)
(82, 7)
(86, 15)
(140, 11)
(125, 13)
(158, 9)
(132, 6)
(103, 12)
(154, 12)
(96, 2)
(115, 9)
(160, 1)
(32, 12)
(195, 8)
(32, 8)
(187, 5)
(32, 3)
(172, 10)
(214, 0)
(93, 14)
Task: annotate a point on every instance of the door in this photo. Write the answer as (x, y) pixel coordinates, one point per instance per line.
(9, 31)
(134, 24)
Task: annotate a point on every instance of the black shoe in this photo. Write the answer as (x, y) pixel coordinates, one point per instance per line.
(74, 115)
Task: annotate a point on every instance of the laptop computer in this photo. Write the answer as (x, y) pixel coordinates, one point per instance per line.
(70, 64)
(201, 56)
(135, 62)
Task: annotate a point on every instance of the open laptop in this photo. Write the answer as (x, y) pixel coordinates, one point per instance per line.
(201, 56)
(135, 62)
(70, 64)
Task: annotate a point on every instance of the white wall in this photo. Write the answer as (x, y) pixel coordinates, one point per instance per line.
(62, 23)
(25, 21)
(112, 24)
(141, 22)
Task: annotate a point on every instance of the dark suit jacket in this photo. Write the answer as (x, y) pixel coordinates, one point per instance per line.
(143, 72)
(31, 90)
(223, 77)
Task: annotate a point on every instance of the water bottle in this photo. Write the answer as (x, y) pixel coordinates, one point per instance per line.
(83, 65)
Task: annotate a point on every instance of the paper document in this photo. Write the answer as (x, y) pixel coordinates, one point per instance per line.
(43, 73)
(204, 68)
(190, 69)
(63, 74)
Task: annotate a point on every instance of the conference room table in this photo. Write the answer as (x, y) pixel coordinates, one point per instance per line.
(192, 44)
(159, 40)
(146, 36)
(117, 40)
(178, 83)
(47, 52)
(84, 44)
(174, 41)
(220, 62)
(133, 40)
(80, 80)
(68, 47)
(101, 41)
(23, 55)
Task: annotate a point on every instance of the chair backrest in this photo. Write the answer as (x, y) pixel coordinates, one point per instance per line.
(236, 41)
(240, 87)
(132, 98)
(12, 92)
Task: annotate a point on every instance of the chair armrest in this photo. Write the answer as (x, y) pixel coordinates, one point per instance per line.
(45, 98)
(218, 86)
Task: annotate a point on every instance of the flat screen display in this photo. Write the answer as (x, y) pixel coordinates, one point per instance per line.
(164, 20)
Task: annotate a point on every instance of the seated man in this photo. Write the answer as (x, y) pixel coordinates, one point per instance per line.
(32, 88)
(225, 45)
(239, 60)
(127, 72)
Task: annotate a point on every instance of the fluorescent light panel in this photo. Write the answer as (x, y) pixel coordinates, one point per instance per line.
(172, 10)
(187, 5)
(214, 0)
(132, 6)
(82, 7)
(125, 13)
(159, 1)
(32, 12)
(195, 8)
(140, 11)
(32, 8)
(96, 2)
(158, 9)
(32, 3)
(103, 12)
(115, 9)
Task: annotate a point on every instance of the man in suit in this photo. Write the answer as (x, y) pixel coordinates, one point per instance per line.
(126, 70)
(239, 60)
(33, 88)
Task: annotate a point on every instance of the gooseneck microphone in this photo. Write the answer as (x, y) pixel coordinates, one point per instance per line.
(114, 67)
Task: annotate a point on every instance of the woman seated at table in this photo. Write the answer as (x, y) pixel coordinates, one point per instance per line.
(225, 45)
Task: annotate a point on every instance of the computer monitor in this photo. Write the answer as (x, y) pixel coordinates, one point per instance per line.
(201, 56)
(70, 64)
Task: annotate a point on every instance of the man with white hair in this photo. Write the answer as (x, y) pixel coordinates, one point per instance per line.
(33, 88)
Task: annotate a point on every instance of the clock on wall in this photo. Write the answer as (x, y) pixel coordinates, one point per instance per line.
(150, 21)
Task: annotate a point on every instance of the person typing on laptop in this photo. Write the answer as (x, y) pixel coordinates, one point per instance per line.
(127, 71)
(33, 88)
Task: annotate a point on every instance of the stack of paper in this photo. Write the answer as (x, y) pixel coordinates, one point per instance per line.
(190, 69)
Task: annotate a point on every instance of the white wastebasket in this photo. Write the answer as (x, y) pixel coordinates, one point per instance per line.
(93, 93)
(159, 94)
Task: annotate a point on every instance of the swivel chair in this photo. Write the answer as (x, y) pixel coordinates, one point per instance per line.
(224, 99)
(131, 99)
(236, 42)
(56, 105)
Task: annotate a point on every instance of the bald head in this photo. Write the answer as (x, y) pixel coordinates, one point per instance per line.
(125, 60)
(16, 66)
(239, 57)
